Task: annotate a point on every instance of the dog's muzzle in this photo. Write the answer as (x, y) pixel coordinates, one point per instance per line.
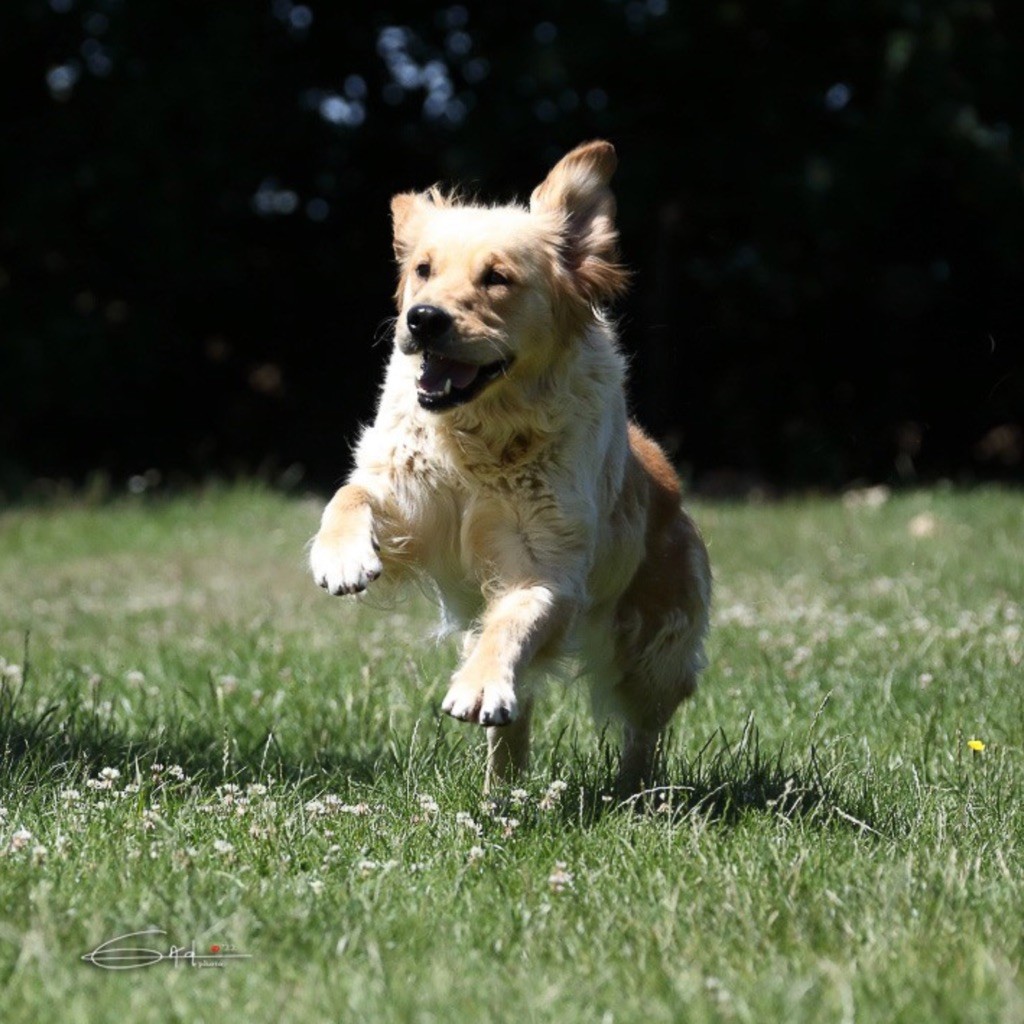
(443, 382)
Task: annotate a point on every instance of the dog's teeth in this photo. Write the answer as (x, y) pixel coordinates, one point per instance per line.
(448, 385)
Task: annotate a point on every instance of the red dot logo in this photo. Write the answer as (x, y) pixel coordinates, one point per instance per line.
(215, 949)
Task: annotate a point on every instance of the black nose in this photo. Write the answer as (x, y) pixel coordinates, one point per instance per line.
(427, 324)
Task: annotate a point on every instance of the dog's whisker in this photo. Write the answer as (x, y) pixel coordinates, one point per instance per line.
(384, 329)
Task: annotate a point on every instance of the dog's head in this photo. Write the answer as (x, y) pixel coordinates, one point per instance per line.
(494, 294)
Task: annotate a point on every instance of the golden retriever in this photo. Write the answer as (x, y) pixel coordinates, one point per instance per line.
(502, 468)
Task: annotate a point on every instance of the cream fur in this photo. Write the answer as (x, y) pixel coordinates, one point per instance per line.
(546, 521)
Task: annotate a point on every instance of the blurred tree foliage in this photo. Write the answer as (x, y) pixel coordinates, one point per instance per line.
(822, 200)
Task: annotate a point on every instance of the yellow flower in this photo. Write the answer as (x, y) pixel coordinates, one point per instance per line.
(976, 745)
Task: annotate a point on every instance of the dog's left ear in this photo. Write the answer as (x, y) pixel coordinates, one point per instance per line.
(577, 191)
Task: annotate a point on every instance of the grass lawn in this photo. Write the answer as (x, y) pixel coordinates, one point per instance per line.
(199, 740)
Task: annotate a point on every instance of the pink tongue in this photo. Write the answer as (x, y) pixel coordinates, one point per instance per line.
(436, 370)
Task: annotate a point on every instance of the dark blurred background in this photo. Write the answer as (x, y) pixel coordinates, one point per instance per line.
(821, 199)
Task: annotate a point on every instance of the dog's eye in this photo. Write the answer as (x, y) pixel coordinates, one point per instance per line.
(495, 279)
(423, 271)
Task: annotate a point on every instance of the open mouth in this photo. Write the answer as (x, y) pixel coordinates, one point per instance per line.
(445, 383)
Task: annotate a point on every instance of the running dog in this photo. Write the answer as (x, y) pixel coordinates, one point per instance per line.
(502, 468)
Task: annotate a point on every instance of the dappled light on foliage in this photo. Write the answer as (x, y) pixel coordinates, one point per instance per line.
(823, 212)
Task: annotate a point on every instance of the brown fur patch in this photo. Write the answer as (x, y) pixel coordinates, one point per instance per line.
(665, 491)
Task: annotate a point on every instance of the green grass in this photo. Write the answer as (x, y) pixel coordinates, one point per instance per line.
(828, 847)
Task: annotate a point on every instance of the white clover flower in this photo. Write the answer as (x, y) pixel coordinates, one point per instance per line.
(110, 773)
(924, 524)
(367, 867)
(256, 789)
(428, 804)
(519, 796)
(228, 794)
(316, 886)
(227, 683)
(177, 772)
(867, 497)
(134, 677)
(553, 795)
(223, 847)
(466, 820)
(561, 878)
(331, 804)
(39, 854)
(21, 839)
(476, 853)
(358, 809)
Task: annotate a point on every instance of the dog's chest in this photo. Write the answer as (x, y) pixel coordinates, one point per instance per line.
(474, 528)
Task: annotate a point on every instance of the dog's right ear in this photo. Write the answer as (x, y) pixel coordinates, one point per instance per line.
(408, 210)
(406, 213)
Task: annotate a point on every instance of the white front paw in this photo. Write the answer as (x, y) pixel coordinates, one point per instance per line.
(490, 704)
(499, 706)
(345, 565)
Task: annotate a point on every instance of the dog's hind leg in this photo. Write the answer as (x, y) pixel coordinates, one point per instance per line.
(508, 748)
(637, 763)
(660, 625)
(640, 764)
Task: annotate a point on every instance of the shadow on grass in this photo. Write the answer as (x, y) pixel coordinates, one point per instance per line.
(725, 783)
(66, 739)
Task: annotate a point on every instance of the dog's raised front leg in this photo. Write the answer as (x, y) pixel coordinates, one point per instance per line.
(515, 627)
(345, 557)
